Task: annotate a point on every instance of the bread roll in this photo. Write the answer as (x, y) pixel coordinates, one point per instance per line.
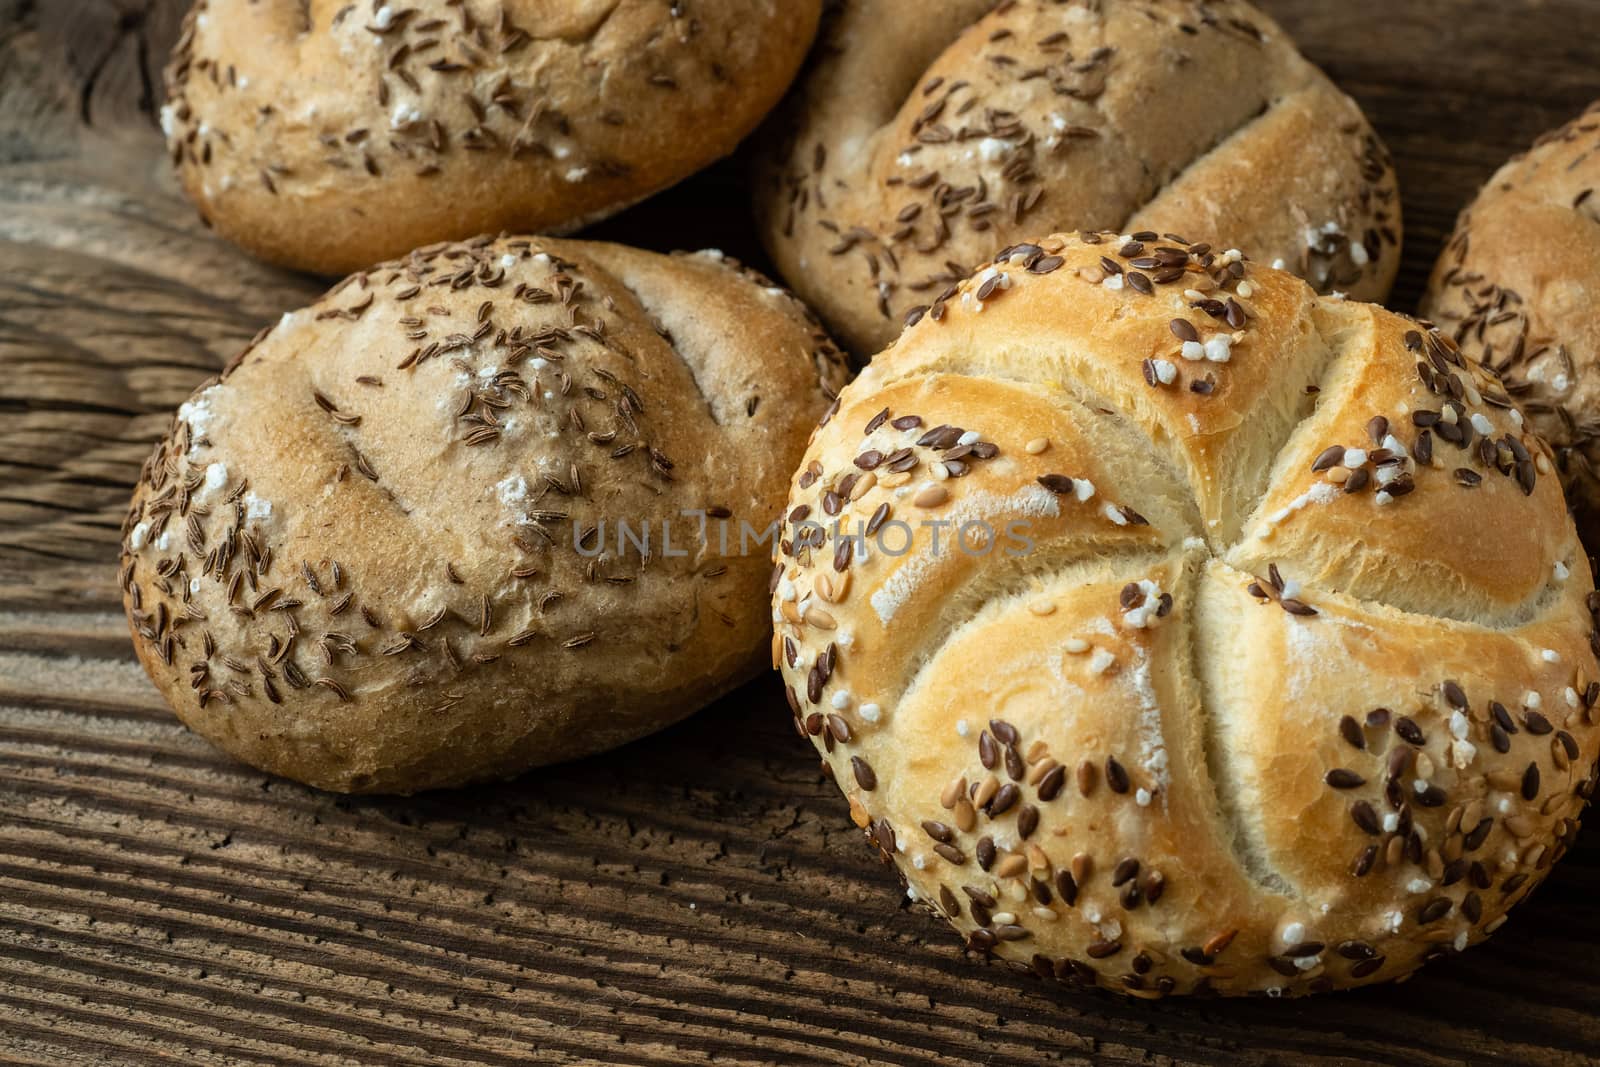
(330, 134)
(1517, 288)
(926, 135)
(385, 552)
(1255, 653)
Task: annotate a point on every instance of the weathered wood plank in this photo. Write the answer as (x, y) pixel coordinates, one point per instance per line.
(696, 897)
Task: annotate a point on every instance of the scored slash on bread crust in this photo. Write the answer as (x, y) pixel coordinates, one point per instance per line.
(1286, 683)
(926, 135)
(383, 552)
(1516, 288)
(330, 134)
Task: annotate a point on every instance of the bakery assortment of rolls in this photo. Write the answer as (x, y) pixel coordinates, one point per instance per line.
(1258, 655)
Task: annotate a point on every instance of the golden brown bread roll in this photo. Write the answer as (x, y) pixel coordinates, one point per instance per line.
(927, 135)
(383, 553)
(1256, 650)
(1517, 288)
(329, 134)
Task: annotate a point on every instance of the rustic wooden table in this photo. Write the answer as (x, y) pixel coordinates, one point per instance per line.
(699, 896)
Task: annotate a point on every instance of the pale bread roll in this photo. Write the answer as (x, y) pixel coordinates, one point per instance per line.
(1285, 682)
(927, 134)
(1517, 288)
(371, 557)
(330, 134)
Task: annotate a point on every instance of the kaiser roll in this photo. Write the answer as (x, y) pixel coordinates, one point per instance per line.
(386, 550)
(927, 134)
(1217, 637)
(1517, 288)
(329, 134)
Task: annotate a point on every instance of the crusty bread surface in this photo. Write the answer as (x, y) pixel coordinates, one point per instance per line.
(330, 134)
(464, 515)
(1518, 287)
(926, 135)
(1197, 636)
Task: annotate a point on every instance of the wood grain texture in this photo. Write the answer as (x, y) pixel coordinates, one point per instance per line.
(696, 897)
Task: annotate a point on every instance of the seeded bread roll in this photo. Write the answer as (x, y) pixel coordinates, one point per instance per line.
(927, 135)
(1247, 659)
(328, 134)
(1516, 288)
(386, 552)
